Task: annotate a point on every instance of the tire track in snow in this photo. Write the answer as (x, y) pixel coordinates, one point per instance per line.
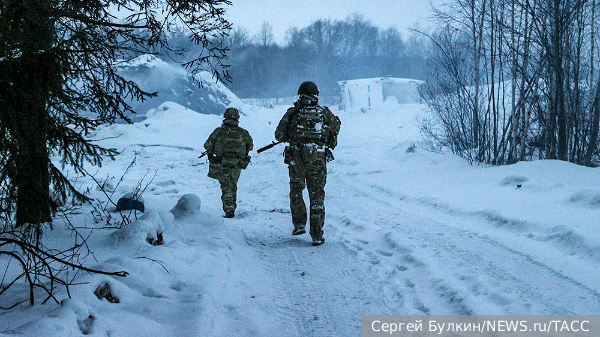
(486, 274)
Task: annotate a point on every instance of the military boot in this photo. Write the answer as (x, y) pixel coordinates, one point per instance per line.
(299, 230)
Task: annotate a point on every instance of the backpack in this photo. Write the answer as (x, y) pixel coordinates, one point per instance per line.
(232, 142)
(231, 147)
(309, 125)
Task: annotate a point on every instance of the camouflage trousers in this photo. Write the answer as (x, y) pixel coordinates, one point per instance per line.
(308, 168)
(228, 180)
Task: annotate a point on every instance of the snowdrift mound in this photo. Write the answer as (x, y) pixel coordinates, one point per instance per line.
(168, 127)
(188, 205)
(148, 228)
(174, 84)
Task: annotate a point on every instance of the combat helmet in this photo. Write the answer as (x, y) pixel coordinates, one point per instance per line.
(231, 113)
(308, 88)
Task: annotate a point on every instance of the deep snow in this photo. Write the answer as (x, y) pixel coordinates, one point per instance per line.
(173, 83)
(407, 233)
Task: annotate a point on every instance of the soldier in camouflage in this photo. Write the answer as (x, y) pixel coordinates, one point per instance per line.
(311, 131)
(227, 149)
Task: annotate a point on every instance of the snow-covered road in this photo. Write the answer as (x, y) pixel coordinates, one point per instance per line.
(407, 233)
(389, 254)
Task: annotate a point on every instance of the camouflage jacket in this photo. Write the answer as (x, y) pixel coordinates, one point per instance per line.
(308, 124)
(229, 141)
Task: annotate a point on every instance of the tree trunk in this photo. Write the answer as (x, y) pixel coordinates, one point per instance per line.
(594, 127)
(32, 177)
(559, 82)
(550, 131)
(477, 45)
(34, 76)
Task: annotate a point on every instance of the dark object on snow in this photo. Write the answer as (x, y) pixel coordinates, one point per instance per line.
(129, 203)
(87, 325)
(159, 240)
(104, 291)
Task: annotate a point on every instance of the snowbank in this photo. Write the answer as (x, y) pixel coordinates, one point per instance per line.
(174, 84)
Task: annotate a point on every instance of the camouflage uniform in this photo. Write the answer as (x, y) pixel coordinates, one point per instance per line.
(227, 148)
(311, 130)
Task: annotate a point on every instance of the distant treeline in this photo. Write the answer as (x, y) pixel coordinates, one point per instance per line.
(325, 52)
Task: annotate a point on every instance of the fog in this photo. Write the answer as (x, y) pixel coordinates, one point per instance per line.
(326, 51)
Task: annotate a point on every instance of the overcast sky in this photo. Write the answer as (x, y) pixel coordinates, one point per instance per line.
(283, 14)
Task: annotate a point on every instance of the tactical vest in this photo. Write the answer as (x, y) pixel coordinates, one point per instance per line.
(308, 126)
(232, 143)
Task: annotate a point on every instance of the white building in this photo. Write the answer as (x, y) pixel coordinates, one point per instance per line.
(371, 92)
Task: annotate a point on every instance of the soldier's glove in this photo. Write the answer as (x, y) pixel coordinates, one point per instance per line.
(332, 142)
(328, 155)
(245, 162)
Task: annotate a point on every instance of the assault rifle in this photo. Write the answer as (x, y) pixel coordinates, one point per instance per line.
(265, 148)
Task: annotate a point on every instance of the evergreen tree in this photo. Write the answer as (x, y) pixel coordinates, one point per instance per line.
(59, 80)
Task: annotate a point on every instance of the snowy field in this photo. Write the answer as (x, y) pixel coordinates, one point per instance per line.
(408, 233)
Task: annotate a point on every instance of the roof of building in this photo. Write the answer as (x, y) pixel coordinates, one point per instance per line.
(374, 80)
